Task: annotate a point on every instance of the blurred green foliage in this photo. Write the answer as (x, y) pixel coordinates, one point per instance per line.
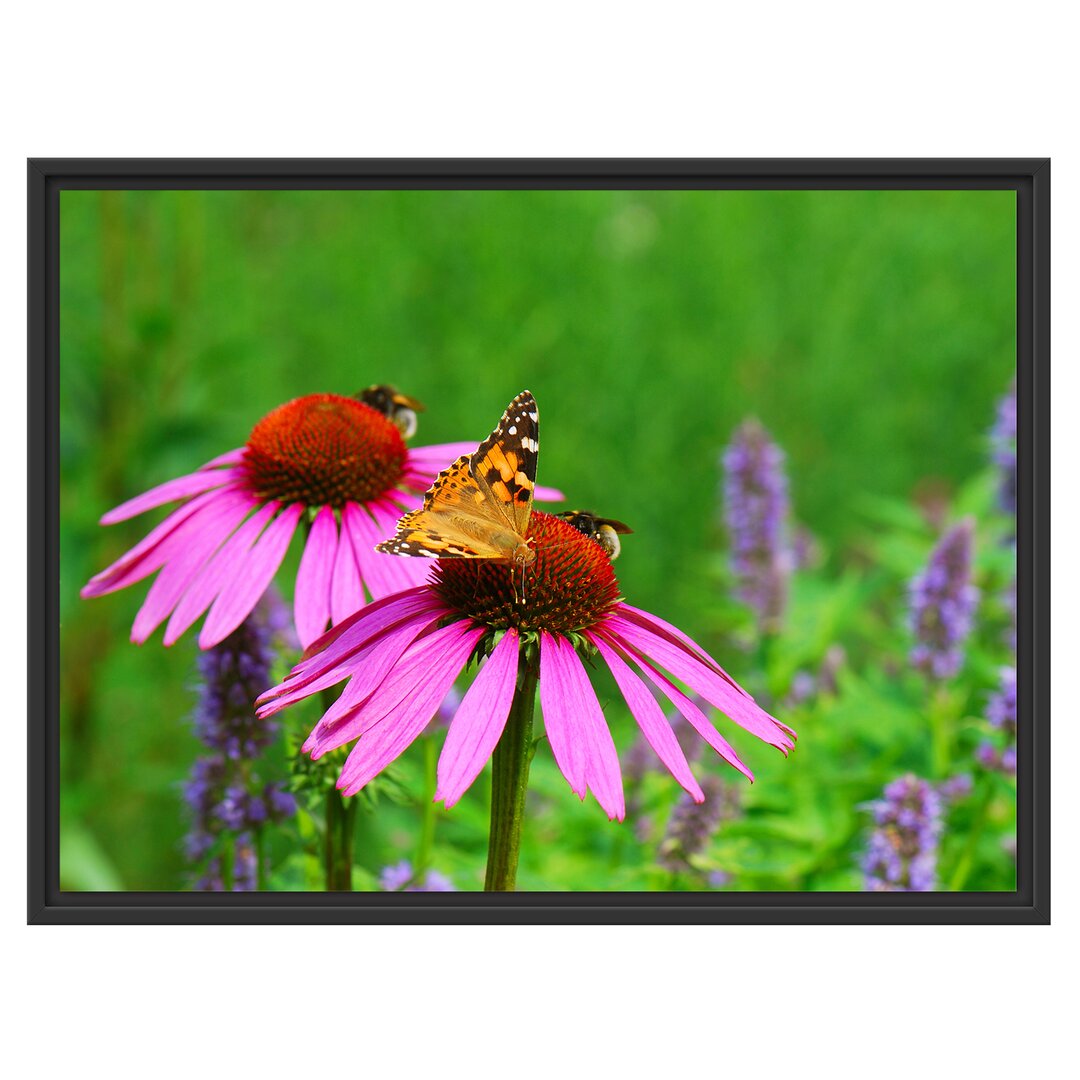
(871, 332)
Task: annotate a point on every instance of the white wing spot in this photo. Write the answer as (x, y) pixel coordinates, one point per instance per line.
(513, 430)
(535, 416)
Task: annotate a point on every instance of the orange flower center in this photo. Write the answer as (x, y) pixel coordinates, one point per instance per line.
(570, 585)
(322, 450)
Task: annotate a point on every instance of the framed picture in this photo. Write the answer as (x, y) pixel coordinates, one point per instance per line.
(322, 629)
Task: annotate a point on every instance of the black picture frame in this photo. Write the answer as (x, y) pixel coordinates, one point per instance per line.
(1028, 177)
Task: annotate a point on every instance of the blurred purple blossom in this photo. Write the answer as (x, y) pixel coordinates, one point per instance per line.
(943, 602)
(1001, 713)
(756, 511)
(692, 825)
(1003, 450)
(400, 878)
(223, 793)
(441, 720)
(902, 852)
(806, 686)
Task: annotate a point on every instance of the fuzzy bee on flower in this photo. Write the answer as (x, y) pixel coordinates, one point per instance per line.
(605, 531)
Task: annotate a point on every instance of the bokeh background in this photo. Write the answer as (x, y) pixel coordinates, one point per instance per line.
(872, 333)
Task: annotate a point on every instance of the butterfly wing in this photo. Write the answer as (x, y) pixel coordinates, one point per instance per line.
(504, 465)
(453, 521)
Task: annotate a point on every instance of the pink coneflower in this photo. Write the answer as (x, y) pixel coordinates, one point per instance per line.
(337, 465)
(402, 654)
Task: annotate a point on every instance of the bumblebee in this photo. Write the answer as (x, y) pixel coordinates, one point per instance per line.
(399, 408)
(605, 531)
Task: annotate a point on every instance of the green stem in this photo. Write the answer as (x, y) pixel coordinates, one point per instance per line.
(260, 858)
(941, 722)
(338, 834)
(427, 822)
(967, 860)
(338, 841)
(510, 781)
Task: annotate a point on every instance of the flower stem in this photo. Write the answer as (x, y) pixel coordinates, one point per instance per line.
(337, 852)
(967, 859)
(428, 811)
(338, 836)
(509, 782)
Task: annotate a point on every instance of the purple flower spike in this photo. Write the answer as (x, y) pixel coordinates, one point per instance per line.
(902, 852)
(402, 878)
(943, 602)
(693, 824)
(1003, 443)
(1001, 712)
(222, 793)
(756, 509)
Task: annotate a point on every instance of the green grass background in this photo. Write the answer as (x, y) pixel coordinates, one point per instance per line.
(872, 333)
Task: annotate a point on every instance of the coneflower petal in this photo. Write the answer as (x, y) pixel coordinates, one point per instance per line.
(343, 641)
(576, 726)
(479, 721)
(230, 457)
(346, 594)
(697, 719)
(373, 663)
(151, 552)
(702, 679)
(235, 601)
(650, 718)
(411, 694)
(313, 579)
(653, 623)
(182, 487)
(198, 540)
(215, 573)
(382, 574)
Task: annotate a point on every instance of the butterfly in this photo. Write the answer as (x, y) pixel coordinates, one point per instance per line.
(479, 507)
(399, 408)
(603, 530)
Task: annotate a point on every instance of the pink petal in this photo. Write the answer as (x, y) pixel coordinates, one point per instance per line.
(349, 716)
(407, 701)
(656, 625)
(399, 573)
(436, 457)
(650, 718)
(235, 601)
(702, 678)
(146, 556)
(424, 463)
(576, 727)
(180, 488)
(557, 702)
(229, 561)
(367, 665)
(337, 647)
(403, 499)
(346, 591)
(195, 542)
(382, 574)
(230, 457)
(697, 719)
(311, 606)
(479, 721)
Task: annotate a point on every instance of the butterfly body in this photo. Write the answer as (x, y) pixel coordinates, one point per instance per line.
(479, 507)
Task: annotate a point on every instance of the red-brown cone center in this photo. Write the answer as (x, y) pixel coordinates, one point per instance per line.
(569, 586)
(322, 450)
